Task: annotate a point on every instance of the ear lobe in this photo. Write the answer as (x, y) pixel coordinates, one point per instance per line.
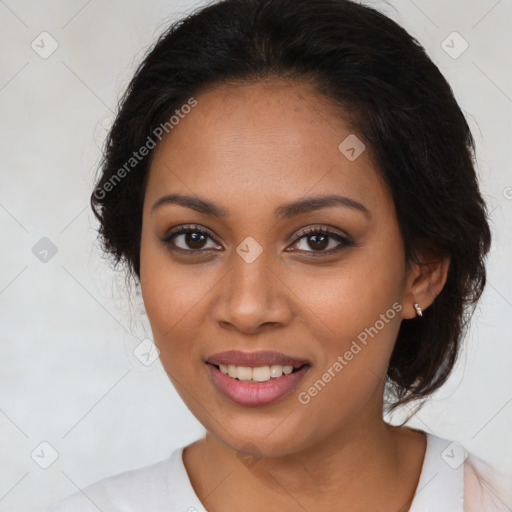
(426, 280)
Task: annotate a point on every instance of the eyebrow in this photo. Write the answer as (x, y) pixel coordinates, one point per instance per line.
(285, 211)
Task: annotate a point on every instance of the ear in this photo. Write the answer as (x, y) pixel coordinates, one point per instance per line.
(424, 282)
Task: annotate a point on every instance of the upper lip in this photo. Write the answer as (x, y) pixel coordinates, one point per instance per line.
(254, 359)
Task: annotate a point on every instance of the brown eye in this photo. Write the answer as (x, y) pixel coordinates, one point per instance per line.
(189, 239)
(316, 242)
(318, 239)
(194, 240)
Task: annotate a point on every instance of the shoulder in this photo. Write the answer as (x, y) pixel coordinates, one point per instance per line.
(145, 488)
(485, 488)
(453, 480)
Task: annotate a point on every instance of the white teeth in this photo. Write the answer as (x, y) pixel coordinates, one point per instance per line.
(276, 370)
(258, 374)
(261, 373)
(244, 373)
(287, 369)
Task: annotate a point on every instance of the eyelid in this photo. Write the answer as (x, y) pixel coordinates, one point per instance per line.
(343, 239)
(183, 229)
(292, 238)
(191, 227)
(313, 228)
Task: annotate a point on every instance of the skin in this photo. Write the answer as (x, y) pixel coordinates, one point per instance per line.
(251, 148)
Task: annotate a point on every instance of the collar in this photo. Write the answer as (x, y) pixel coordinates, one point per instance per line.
(441, 483)
(440, 487)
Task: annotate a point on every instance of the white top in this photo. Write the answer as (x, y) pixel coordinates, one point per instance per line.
(450, 481)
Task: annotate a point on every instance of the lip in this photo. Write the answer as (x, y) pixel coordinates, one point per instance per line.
(254, 359)
(253, 394)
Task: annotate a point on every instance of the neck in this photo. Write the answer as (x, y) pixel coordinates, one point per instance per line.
(362, 466)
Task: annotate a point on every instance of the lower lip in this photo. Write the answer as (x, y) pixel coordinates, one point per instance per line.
(256, 393)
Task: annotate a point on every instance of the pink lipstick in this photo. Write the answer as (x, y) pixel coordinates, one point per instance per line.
(256, 378)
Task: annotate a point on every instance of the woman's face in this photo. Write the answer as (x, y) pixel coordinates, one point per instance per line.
(258, 281)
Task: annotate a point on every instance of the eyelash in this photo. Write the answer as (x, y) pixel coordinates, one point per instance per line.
(344, 241)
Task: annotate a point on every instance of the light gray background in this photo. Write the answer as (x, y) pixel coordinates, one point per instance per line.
(68, 374)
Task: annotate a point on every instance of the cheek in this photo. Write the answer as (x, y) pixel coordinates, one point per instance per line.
(356, 312)
(172, 294)
(350, 297)
(349, 316)
(356, 326)
(172, 299)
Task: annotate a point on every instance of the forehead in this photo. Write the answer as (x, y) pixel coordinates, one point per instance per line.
(259, 140)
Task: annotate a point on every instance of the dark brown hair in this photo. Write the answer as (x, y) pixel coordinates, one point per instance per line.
(402, 106)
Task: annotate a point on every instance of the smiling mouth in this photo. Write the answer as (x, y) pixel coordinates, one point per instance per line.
(253, 386)
(259, 366)
(257, 373)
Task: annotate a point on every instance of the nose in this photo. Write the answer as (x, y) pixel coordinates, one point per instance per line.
(252, 297)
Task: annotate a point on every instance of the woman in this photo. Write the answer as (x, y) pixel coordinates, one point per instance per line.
(291, 183)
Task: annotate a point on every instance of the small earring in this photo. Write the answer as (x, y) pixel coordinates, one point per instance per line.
(418, 309)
